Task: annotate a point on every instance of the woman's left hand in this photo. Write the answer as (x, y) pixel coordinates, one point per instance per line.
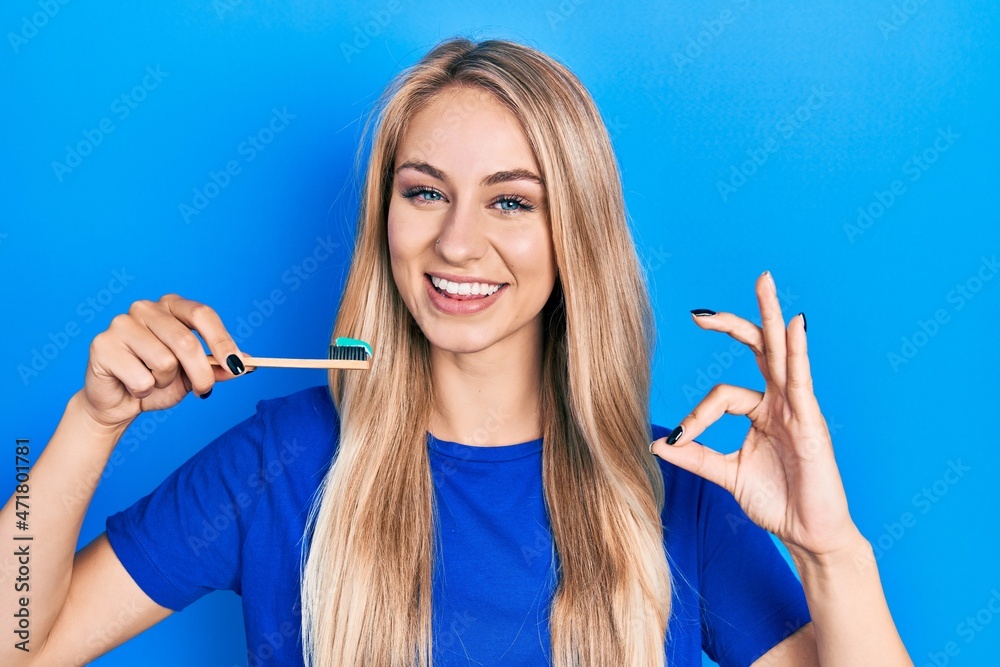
(784, 476)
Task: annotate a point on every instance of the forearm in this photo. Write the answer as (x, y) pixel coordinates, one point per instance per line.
(850, 615)
(55, 498)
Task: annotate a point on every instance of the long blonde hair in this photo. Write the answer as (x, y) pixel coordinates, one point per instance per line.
(369, 554)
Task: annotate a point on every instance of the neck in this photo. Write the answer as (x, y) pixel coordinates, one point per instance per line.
(488, 398)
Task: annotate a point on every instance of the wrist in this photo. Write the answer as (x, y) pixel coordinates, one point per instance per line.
(851, 550)
(79, 412)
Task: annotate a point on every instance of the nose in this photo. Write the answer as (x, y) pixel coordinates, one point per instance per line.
(462, 239)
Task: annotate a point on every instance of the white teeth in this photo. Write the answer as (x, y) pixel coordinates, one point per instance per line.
(484, 289)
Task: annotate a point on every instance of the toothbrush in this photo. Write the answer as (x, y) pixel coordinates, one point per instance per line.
(345, 353)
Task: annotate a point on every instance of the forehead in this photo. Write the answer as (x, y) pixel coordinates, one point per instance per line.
(466, 131)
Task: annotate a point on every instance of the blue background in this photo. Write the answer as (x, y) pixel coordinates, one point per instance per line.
(844, 99)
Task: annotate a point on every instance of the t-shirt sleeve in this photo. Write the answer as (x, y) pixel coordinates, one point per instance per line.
(751, 598)
(185, 538)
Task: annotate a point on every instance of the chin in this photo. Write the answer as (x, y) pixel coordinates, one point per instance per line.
(453, 339)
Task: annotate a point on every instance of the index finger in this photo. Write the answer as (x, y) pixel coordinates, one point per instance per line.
(207, 323)
(713, 466)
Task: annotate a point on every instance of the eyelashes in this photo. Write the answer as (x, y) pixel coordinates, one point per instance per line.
(423, 193)
(420, 190)
(522, 203)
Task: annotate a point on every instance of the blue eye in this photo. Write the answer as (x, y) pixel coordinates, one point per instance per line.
(506, 204)
(423, 194)
(513, 203)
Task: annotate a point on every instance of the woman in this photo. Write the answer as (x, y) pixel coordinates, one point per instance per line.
(496, 279)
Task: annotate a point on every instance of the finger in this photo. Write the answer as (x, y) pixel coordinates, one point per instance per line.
(721, 399)
(119, 362)
(181, 341)
(681, 449)
(150, 350)
(774, 330)
(801, 397)
(209, 326)
(698, 459)
(221, 374)
(167, 397)
(742, 330)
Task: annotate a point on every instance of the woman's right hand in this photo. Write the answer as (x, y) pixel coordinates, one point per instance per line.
(149, 359)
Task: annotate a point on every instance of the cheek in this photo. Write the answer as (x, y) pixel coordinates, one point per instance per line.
(407, 238)
(533, 253)
(392, 229)
(399, 251)
(401, 245)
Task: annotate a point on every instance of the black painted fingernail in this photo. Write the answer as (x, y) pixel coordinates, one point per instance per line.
(803, 321)
(206, 394)
(236, 366)
(702, 312)
(675, 435)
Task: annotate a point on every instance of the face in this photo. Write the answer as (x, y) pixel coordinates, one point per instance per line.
(468, 226)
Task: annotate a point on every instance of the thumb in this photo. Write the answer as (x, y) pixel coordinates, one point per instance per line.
(698, 459)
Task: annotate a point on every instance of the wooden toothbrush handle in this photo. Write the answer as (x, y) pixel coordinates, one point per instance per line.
(277, 362)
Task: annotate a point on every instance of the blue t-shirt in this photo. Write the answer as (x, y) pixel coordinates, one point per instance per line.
(232, 518)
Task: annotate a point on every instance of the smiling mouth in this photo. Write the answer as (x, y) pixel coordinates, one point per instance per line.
(462, 297)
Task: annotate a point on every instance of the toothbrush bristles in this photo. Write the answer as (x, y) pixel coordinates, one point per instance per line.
(348, 352)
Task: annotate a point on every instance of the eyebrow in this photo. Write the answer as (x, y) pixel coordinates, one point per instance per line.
(492, 179)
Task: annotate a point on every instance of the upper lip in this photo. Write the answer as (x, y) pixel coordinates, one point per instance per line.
(465, 279)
